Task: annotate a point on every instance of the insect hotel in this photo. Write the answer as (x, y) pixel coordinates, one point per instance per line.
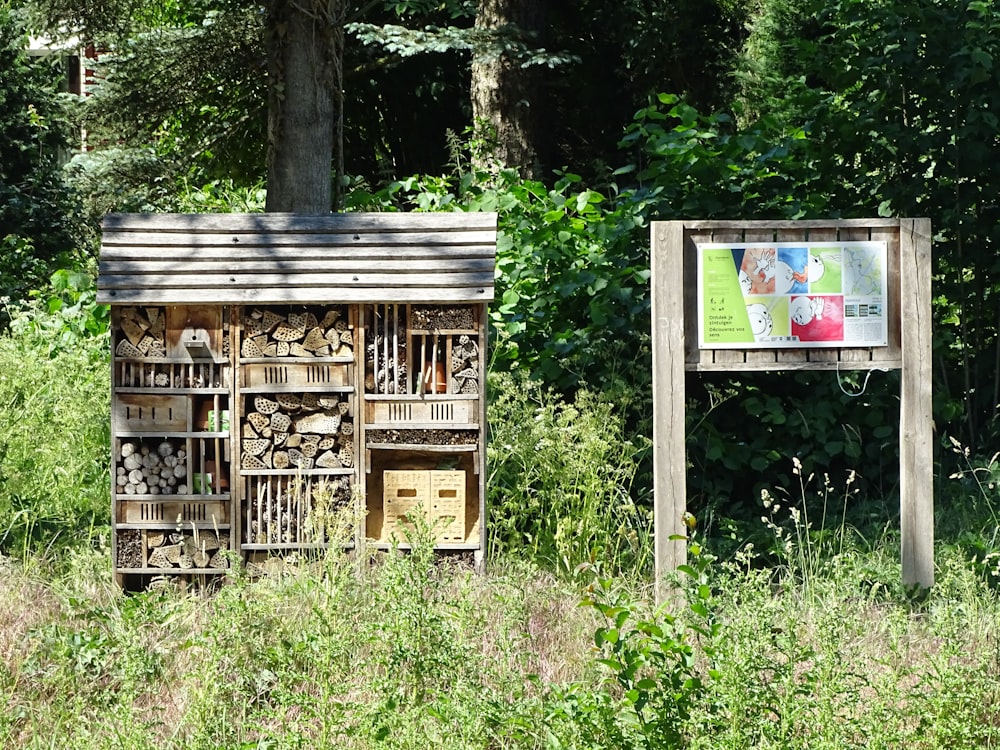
(285, 383)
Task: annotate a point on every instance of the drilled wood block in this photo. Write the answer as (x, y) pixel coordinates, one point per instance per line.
(402, 413)
(137, 511)
(296, 375)
(140, 412)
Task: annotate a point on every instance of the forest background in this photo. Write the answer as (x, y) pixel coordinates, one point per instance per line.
(579, 123)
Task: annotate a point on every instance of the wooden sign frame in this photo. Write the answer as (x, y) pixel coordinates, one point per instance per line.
(675, 351)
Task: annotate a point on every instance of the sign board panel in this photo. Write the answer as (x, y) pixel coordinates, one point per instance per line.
(789, 295)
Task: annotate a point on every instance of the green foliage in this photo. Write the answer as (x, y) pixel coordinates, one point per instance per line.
(654, 659)
(221, 196)
(39, 224)
(571, 283)
(191, 90)
(687, 164)
(64, 319)
(744, 433)
(54, 434)
(561, 478)
(900, 99)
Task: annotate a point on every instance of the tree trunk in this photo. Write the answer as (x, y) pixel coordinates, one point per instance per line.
(304, 42)
(505, 104)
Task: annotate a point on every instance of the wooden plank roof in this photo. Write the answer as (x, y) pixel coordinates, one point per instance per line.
(277, 258)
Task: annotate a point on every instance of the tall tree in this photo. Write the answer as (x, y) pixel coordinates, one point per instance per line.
(219, 63)
(305, 50)
(506, 105)
(38, 227)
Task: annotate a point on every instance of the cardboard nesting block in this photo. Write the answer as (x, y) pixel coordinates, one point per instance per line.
(439, 495)
(447, 505)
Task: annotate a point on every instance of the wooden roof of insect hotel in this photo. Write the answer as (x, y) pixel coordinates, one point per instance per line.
(277, 258)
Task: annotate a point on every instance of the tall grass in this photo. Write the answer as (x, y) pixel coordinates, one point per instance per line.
(54, 433)
(410, 651)
(561, 479)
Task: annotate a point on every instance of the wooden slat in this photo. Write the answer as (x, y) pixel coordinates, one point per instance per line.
(689, 283)
(296, 295)
(893, 306)
(290, 222)
(669, 248)
(340, 240)
(151, 411)
(237, 279)
(916, 421)
(276, 258)
(770, 365)
(297, 376)
(794, 224)
(189, 253)
(174, 268)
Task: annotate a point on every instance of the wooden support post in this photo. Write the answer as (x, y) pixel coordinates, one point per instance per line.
(669, 463)
(915, 421)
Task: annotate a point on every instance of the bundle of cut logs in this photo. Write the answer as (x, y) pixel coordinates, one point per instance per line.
(320, 332)
(143, 329)
(195, 549)
(289, 431)
(152, 468)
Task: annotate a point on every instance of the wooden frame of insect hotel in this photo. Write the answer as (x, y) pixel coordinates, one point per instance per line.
(285, 383)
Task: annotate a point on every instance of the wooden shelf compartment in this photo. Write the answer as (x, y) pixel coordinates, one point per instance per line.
(183, 464)
(163, 373)
(167, 549)
(439, 487)
(294, 509)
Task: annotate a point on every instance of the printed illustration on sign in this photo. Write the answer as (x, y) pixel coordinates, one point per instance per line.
(786, 295)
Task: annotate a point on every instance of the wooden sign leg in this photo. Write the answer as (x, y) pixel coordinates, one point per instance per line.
(916, 452)
(669, 466)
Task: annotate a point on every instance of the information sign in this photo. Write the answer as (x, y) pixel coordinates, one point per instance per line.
(792, 295)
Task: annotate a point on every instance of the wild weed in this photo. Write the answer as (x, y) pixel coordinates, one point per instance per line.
(805, 551)
(54, 440)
